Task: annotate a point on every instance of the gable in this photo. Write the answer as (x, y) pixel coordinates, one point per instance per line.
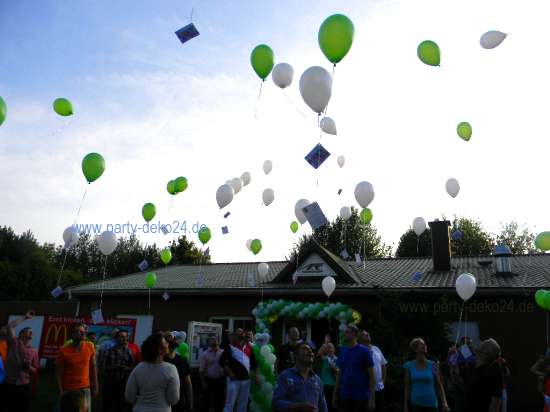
(314, 267)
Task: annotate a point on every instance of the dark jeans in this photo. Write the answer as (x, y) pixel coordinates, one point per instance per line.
(379, 399)
(18, 397)
(354, 405)
(413, 408)
(329, 391)
(214, 395)
(112, 397)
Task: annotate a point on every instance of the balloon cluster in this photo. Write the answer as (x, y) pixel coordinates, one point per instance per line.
(226, 192)
(177, 185)
(262, 391)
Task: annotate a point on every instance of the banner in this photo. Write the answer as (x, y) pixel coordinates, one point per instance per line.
(57, 330)
(197, 339)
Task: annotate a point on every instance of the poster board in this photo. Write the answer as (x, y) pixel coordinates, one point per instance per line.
(197, 339)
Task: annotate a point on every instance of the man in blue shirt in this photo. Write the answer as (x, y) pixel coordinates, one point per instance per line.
(299, 389)
(355, 381)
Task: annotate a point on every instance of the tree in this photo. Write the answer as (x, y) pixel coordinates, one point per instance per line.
(184, 252)
(474, 240)
(411, 245)
(350, 235)
(520, 241)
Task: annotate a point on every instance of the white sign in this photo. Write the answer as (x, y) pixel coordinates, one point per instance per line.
(35, 323)
(197, 339)
(314, 266)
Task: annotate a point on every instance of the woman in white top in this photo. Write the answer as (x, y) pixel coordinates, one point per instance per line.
(153, 385)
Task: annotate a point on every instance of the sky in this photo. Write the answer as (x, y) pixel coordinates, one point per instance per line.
(157, 109)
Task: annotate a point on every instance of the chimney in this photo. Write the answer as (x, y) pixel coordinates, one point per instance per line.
(441, 245)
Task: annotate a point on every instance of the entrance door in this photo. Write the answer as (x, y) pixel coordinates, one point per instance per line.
(322, 327)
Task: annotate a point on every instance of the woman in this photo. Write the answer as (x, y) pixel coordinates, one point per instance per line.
(328, 370)
(186, 388)
(421, 380)
(153, 385)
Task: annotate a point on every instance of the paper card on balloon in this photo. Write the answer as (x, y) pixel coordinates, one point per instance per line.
(163, 229)
(344, 254)
(465, 351)
(317, 156)
(251, 280)
(165, 296)
(339, 191)
(358, 258)
(97, 316)
(58, 291)
(226, 215)
(186, 33)
(295, 278)
(415, 277)
(225, 230)
(199, 280)
(315, 215)
(207, 251)
(143, 265)
(453, 359)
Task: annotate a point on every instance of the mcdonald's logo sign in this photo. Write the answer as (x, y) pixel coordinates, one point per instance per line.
(57, 329)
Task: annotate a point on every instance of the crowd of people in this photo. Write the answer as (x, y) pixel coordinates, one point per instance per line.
(348, 378)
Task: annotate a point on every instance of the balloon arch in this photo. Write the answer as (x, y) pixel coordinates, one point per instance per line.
(267, 313)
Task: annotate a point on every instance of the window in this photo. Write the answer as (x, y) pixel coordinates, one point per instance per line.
(234, 322)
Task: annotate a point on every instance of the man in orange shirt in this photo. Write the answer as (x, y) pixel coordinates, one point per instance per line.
(76, 367)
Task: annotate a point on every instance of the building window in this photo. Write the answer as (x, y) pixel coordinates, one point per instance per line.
(234, 322)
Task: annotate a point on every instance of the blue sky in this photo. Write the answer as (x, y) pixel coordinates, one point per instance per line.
(157, 109)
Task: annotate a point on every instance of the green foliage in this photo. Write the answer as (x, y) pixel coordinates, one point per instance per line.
(475, 240)
(519, 240)
(411, 245)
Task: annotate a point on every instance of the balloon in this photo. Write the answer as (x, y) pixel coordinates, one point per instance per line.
(419, 225)
(492, 39)
(107, 242)
(282, 75)
(345, 212)
(539, 298)
(336, 37)
(316, 88)
(3, 110)
(265, 351)
(464, 130)
(364, 194)
(328, 284)
(171, 187)
(93, 166)
(248, 243)
(256, 246)
(63, 107)
(341, 161)
(150, 280)
(452, 187)
(546, 299)
(328, 126)
(270, 359)
(180, 184)
(224, 195)
(262, 60)
(268, 196)
(366, 216)
(268, 166)
(428, 52)
(148, 211)
(183, 350)
(246, 178)
(70, 236)
(204, 235)
(300, 204)
(294, 226)
(237, 184)
(263, 269)
(542, 241)
(165, 256)
(465, 286)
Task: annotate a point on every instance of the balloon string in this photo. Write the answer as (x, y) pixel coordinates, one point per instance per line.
(331, 87)
(62, 267)
(459, 320)
(293, 105)
(81, 203)
(103, 282)
(149, 302)
(418, 246)
(547, 330)
(192, 11)
(258, 101)
(364, 246)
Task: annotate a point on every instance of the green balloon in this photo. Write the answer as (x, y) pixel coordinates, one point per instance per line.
(165, 256)
(336, 37)
(256, 246)
(428, 53)
(294, 226)
(180, 184)
(171, 187)
(63, 107)
(148, 211)
(183, 350)
(539, 297)
(366, 216)
(464, 130)
(262, 60)
(546, 300)
(3, 110)
(93, 166)
(542, 241)
(204, 235)
(150, 280)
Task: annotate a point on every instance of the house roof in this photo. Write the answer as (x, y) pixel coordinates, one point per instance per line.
(390, 275)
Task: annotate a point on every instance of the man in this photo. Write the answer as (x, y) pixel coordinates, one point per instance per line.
(237, 366)
(460, 371)
(185, 402)
(355, 381)
(76, 367)
(211, 374)
(248, 341)
(304, 339)
(91, 337)
(299, 389)
(286, 353)
(115, 367)
(21, 366)
(380, 369)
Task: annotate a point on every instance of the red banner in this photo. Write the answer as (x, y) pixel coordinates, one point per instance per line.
(57, 330)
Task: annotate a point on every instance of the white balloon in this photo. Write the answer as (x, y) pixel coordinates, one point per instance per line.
(492, 39)
(316, 88)
(236, 184)
(246, 178)
(224, 195)
(268, 166)
(328, 284)
(300, 204)
(107, 242)
(282, 75)
(419, 225)
(70, 236)
(341, 161)
(263, 269)
(345, 212)
(270, 359)
(268, 196)
(248, 243)
(452, 187)
(364, 194)
(328, 126)
(466, 286)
